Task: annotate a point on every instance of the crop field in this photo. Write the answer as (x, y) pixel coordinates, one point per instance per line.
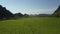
(31, 25)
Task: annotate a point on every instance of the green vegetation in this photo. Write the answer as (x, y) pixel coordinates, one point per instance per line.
(33, 25)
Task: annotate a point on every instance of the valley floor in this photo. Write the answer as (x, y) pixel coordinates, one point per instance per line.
(33, 25)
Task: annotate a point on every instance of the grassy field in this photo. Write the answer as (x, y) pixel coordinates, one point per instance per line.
(33, 25)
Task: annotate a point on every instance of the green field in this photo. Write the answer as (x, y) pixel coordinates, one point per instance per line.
(33, 25)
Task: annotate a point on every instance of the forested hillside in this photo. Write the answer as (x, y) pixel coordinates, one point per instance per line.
(57, 12)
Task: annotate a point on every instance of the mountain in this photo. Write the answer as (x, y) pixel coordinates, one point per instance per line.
(44, 15)
(4, 13)
(18, 15)
(57, 12)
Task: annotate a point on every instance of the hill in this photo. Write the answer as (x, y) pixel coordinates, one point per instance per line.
(44, 15)
(57, 12)
(4, 13)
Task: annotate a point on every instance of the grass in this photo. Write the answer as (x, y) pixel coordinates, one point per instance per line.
(33, 25)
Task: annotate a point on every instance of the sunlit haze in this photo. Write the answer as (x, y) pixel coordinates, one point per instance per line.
(31, 6)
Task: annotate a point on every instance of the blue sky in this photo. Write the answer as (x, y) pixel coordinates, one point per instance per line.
(31, 6)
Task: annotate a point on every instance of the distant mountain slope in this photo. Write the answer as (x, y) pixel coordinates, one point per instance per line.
(44, 15)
